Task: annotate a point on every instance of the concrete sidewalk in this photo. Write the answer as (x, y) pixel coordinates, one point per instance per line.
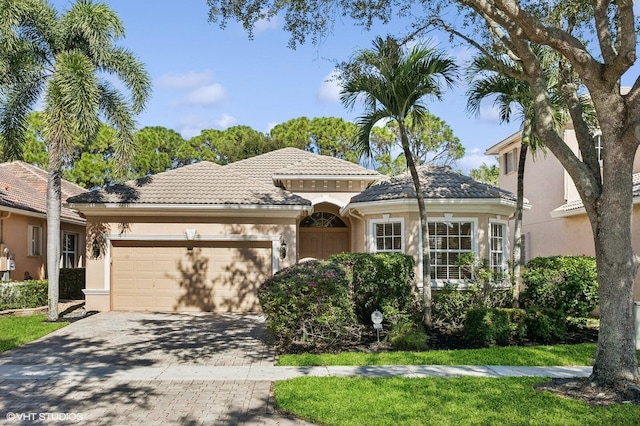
(272, 373)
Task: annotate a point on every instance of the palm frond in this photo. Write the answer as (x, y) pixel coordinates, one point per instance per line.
(129, 70)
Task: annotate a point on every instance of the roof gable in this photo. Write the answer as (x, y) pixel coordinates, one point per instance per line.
(203, 183)
(24, 187)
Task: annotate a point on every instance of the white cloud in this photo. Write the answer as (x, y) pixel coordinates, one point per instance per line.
(271, 125)
(473, 159)
(329, 91)
(187, 81)
(191, 125)
(205, 96)
(225, 121)
(489, 113)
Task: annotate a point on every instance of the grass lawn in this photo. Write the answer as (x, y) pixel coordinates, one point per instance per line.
(439, 401)
(580, 354)
(16, 331)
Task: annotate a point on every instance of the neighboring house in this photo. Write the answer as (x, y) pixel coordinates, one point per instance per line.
(205, 236)
(23, 221)
(557, 223)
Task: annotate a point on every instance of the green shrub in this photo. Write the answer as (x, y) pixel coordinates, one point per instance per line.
(408, 337)
(562, 283)
(546, 325)
(450, 305)
(491, 326)
(72, 282)
(309, 305)
(382, 281)
(21, 295)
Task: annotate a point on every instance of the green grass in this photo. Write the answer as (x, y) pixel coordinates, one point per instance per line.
(580, 354)
(16, 331)
(439, 401)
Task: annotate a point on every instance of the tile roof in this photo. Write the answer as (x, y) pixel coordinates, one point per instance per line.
(438, 183)
(24, 187)
(204, 183)
(296, 162)
(577, 204)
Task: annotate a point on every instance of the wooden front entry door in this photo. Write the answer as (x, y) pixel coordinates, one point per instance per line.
(320, 243)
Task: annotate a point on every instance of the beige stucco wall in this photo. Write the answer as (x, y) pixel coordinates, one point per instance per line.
(14, 235)
(150, 227)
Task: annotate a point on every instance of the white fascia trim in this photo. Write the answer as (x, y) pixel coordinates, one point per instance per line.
(467, 205)
(280, 177)
(193, 209)
(560, 212)
(198, 237)
(41, 215)
(495, 149)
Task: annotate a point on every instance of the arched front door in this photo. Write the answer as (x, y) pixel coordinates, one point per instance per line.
(323, 234)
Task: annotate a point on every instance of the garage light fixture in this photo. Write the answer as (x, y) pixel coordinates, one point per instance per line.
(283, 250)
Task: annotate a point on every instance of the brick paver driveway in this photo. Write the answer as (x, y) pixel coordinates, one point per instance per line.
(133, 341)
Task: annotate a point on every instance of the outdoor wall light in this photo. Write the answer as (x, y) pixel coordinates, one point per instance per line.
(283, 250)
(95, 248)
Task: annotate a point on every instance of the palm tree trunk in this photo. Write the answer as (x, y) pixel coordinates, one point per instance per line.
(518, 258)
(54, 207)
(424, 229)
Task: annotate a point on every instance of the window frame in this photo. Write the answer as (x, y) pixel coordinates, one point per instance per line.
(474, 246)
(34, 245)
(504, 267)
(373, 240)
(64, 252)
(510, 161)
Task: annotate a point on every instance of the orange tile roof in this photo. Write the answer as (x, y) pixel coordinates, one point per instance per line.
(24, 187)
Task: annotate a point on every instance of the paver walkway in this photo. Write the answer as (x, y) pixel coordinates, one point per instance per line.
(43, 382)
(125, 368)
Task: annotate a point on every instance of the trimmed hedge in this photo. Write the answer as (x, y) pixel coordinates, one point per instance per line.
(72, 282)
(384, 282)
(309, 304)
(561, 283)
(21, 295)
(327, 305)
(501, 326)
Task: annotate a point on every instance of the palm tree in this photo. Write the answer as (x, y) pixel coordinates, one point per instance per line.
(509, 93)
(393, 82)
(65, 58)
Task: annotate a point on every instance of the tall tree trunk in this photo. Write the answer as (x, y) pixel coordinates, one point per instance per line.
(518, 258)
(610, 218)
(424, 229)
(54, 200)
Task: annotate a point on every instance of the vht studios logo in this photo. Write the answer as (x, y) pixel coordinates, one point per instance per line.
(32, 417)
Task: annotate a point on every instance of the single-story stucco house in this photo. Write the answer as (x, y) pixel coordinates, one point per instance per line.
(203, 237)
(23, 223)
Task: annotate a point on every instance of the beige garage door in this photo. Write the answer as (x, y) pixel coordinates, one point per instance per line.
(161, 277)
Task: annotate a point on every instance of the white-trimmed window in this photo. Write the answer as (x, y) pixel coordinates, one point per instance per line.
(509, 161)
(387, 235)
(69, 250)
(34, 240)
(448, 240)
(498, 247)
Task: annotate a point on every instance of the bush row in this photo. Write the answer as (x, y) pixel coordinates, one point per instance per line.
(35, 293)
(502, 326)
(320, 305)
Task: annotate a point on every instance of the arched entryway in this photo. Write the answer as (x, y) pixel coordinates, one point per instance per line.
(322, 234)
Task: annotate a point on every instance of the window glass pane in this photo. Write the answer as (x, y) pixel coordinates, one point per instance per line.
(397, 243)
(379, 229)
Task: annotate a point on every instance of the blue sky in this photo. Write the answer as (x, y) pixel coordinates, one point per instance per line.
(208, 78)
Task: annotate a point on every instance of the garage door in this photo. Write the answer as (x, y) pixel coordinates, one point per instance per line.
(161, 277)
